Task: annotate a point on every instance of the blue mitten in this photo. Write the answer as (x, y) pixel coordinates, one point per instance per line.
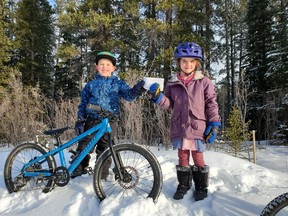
(211, 131)
(137, 89)
(155, 93)
(79, 126)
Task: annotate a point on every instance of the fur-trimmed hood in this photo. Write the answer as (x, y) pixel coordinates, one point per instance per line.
(197, 76)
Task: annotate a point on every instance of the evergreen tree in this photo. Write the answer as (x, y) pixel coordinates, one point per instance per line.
(230, 20)
(149, 26)
(6, 47)
(85, 28)
(71, 47)
(5, 44)
(259, 44)
(237, 131)
(278, 71)
(35, 41)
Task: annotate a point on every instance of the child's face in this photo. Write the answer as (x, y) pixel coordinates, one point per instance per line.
(105, 67)
(188, 65)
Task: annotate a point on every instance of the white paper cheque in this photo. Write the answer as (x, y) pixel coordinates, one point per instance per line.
(150, 80)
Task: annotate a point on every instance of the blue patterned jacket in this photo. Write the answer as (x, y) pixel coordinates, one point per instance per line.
(104, 92)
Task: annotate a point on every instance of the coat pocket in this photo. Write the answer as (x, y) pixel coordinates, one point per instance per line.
(176, 124)
(194, 125)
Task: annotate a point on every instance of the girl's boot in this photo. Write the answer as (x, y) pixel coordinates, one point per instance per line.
(200, 178)
(184, 176)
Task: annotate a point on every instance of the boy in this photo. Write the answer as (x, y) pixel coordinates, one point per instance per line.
(105, 92)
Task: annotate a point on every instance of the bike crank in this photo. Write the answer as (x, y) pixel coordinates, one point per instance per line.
(61, 176)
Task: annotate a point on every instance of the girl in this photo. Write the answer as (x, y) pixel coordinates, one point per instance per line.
(195, 119)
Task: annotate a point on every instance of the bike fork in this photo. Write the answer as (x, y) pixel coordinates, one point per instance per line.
(117, 160)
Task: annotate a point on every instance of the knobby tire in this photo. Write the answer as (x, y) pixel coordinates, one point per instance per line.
(276, 205)
(142, 166)
(13, 173)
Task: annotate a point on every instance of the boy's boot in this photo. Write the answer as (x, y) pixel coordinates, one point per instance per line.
(105, 169)
(105, 166)
(200, 178)
(184, 176)
(82, 167)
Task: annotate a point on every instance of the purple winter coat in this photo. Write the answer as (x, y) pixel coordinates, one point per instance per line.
(193, 106)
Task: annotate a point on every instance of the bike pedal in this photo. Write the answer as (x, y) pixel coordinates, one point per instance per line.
(73, 156)
(89, 170)
(73, 152)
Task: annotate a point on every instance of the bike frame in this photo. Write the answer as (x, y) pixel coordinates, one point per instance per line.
(100, 129)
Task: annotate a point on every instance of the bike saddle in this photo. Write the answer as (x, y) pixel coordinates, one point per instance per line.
(56, 131)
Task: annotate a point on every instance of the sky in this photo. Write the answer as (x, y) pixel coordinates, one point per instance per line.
(236, 187)
(52, 2)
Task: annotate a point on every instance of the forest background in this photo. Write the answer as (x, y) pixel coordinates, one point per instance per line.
(47, 54)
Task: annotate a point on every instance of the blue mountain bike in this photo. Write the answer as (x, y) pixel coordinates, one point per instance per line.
(134, 170)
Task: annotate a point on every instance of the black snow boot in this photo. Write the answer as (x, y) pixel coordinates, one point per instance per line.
(105, 166)
(200, 178)
(82, 167)
(105, 169)
(184, 176)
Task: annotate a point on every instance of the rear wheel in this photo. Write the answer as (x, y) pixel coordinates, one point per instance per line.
(13, 169)
(141, 171)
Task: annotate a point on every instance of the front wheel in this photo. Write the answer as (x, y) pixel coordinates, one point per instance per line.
(278, 206)
(13, 169)
(140, 169)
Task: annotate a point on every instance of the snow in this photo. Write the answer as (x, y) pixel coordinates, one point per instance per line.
(237, 187)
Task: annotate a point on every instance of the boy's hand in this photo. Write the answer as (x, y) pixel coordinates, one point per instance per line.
(211, 131)
(155, 93)
(79, 126)
(137, 89)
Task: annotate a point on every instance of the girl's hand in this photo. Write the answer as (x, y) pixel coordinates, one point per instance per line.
(155, 93)
(211, 131)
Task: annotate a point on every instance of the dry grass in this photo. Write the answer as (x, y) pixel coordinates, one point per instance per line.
(25, 114)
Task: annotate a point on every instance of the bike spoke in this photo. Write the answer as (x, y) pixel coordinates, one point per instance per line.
(139, 169)
(14, 176)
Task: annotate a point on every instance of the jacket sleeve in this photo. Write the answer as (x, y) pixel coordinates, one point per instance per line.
(166, 102)
(211, 105)
(85, 94)
(124, 91)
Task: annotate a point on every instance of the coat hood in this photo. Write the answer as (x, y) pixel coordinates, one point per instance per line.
(197, 76)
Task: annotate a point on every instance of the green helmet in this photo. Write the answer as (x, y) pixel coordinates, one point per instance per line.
(106, 55)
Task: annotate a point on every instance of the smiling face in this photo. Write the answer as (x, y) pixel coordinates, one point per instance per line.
(105, 67)
(188, 65)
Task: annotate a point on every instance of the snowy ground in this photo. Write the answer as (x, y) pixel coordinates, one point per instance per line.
(237, 187)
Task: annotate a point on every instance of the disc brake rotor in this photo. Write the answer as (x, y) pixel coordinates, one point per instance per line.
(131, 178)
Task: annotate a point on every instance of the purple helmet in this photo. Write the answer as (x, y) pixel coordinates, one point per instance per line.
(188, 49)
